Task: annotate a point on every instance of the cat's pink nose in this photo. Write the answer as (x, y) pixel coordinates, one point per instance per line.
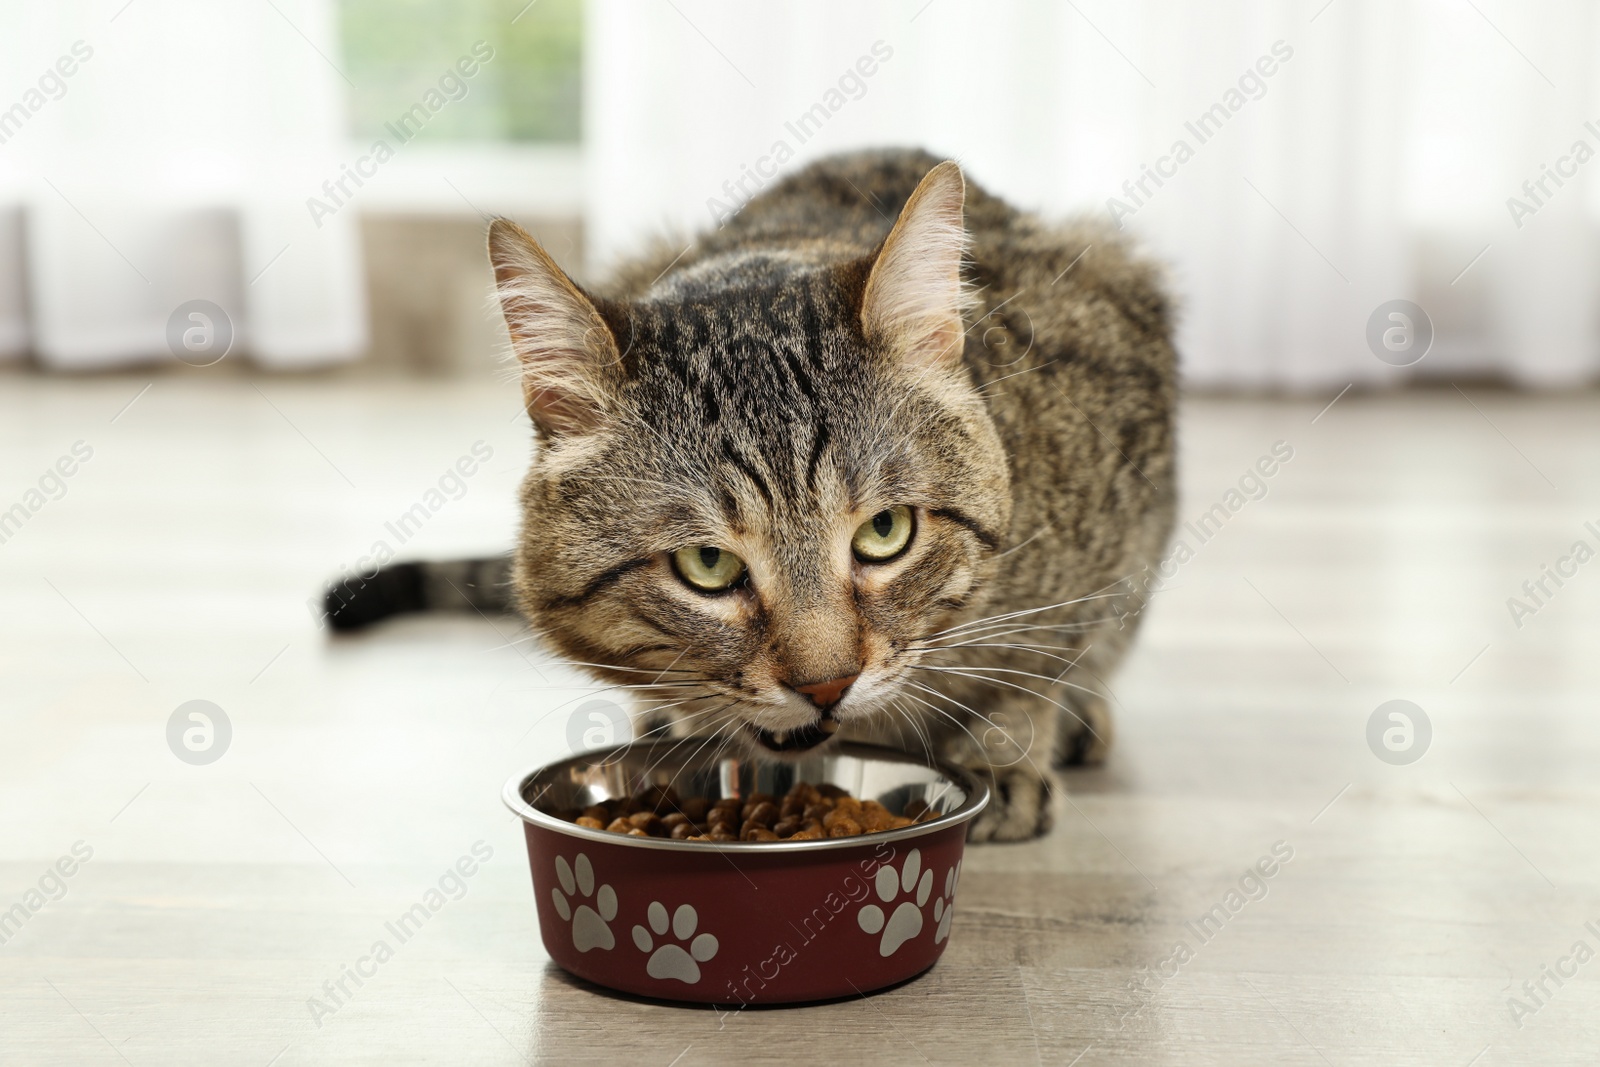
(827, 694)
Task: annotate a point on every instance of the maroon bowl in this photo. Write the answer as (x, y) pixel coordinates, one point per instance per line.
(740, 923)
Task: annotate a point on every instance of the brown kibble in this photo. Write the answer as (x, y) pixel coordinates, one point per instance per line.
(695, 808)
(805, 813)
(759, 802)
(875, 819)
(834, 817)
(660, 798)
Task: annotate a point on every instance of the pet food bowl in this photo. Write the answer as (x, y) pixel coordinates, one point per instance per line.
(740, 923)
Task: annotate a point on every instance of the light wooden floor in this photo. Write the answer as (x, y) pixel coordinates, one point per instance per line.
(220, 898)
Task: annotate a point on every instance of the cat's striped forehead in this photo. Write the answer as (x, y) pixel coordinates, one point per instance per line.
(727, 328)
(769, 387)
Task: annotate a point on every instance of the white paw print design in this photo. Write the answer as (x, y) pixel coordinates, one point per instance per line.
(944, 906)
(906, 922)
(671, 961)
(589, 929)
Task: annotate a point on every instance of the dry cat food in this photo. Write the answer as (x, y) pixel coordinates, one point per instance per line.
(805, 813)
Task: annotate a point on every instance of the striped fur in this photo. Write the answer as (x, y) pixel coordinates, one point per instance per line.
(770, 389)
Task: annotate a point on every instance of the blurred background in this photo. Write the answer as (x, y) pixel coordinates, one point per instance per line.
(247, 342)
(320, 169)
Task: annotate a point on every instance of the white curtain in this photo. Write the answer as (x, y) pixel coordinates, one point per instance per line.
(1366, 152)
(162, 151)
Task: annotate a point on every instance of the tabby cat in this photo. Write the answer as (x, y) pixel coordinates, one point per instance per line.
(874, 460)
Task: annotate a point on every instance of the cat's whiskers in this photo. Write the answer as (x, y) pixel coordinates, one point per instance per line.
(728, 739)
(668, 683)
(684, 651)
(924, 739)
(975, 643)
(977, 677)
(1001, 629)
(711, 735)
(712, 713)
(1007, 629)
(951, 717)
(969, 710)
(619, 667)
(1008, 615)
(978, 744)
(975, 640)
(664, 726)
(971, 670)
(510, 642)
(1031, 650)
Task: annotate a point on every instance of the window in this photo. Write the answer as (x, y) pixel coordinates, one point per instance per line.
(397, 51)
(502, 141)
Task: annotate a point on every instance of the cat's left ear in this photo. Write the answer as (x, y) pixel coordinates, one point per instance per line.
(912, 303)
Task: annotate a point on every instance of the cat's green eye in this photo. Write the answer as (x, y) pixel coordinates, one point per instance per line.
(884, 536)
(707, 568)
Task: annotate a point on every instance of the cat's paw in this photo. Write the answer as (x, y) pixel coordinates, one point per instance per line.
(1019, 805)
(1084, 736)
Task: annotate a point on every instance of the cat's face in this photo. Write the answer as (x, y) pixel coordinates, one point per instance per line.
(754, 501)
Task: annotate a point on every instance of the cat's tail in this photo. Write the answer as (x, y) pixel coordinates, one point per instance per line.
(481, 585)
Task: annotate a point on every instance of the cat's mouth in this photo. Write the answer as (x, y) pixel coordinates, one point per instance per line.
(798, 739)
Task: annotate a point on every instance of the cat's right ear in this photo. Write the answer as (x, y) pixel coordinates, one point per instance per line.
(567, 351)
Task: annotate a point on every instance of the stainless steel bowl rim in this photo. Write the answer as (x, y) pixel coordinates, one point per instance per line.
(977, 799)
